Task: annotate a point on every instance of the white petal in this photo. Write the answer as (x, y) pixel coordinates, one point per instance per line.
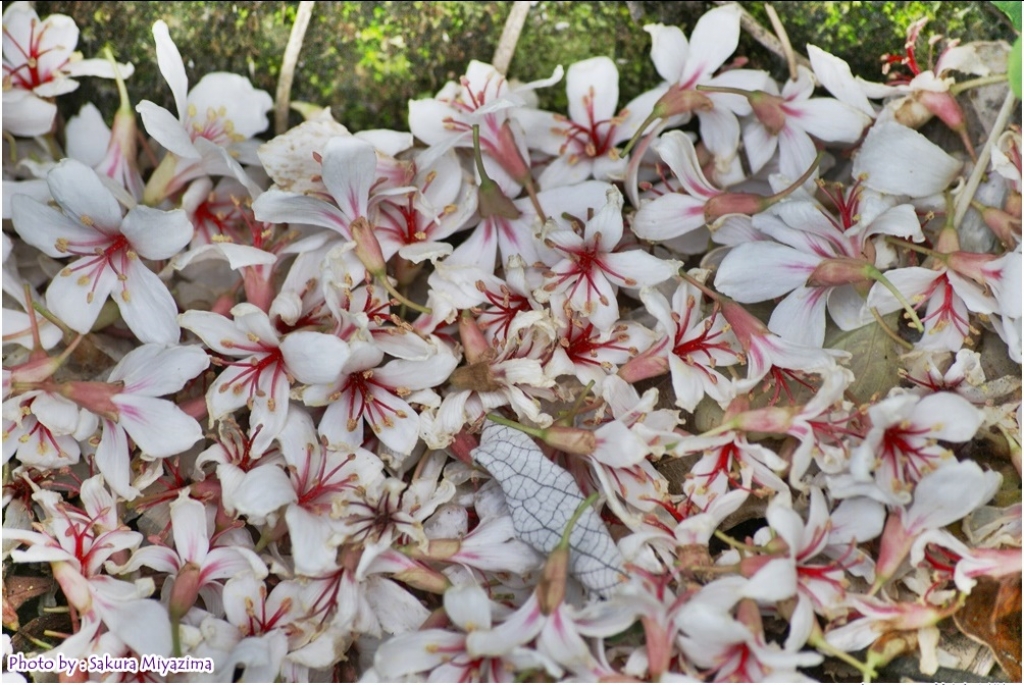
(900, 161)
(800, 317)
(165, 129)
(146, 305)
(669, 50)
(157, 426)
(713, 41)
(76, 305)
(155, 370)
(835, 75)
(314, 357)
(754, 272)
(171, 66)
(80, 193)
(468, 607)
(156, 234)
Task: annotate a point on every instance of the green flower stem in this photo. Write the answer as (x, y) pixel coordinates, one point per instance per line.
(958, 88)
(406, 302)
(874, 274)
(535, 432)
(584, 505)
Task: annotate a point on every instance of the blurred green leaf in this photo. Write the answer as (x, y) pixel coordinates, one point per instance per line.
(1010, 8)
(875, 362)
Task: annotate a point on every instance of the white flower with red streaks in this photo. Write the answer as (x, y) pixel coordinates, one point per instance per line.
(414, 224)
(42, 429)
(128, 406)
(961, 283)
(483, 97)
(734, 648)
(364, 392)
(687, 64)
(903, 444)
(584, 143)
(190, 531)
(693, 346)
(77, 544)
(594, 354)
(254, 611)
(941, 497)
(819, 586)
(446, 655)
(39, 63)
(585, 277)
(89, 225)
(810, 242)
(268, 364)
(222, 111)
(676, 214)
(512, 374)
(787, 123)
(561, 633)
(519, 237)
(353, 184)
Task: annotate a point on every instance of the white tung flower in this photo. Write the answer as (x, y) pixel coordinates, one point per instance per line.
(89, 225)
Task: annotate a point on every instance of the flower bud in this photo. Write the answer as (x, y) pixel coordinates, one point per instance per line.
(971, 264)
(423, 578)
(185, 590)
(95, 396)
(734, 203)
(768, 110)
(571, 440)
(368, 247)
(894, 547)
(837, 271)
(679, 100)
(1005, 227)
(551, 588)
(474, 345)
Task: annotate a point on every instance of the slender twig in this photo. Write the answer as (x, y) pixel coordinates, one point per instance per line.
(964, 201)
(763, 35)
(510, 35)
(787, 47)
(288, 63)
(889, 332)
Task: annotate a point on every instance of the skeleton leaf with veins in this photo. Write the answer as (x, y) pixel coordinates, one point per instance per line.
(542, 497)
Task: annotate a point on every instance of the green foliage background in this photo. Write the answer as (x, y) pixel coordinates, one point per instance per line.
(367, 59)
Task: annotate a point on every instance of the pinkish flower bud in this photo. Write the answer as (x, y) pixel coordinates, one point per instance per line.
(894, 547)
(423, 578)
(744, 324)
(734, 203)
(368, 247)
(474, 345)
(971, 264)
(679, 100)
(658, 643)
(644, 366)
(943, 105)
(838, 271)
(1005, 227)
(551, 588)
(185, 590)
(95, 396)
(1012, 204)
(571, 440)
(768, 110)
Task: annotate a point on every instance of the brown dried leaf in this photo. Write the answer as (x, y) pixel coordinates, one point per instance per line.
(18, 590)
(992, 615)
